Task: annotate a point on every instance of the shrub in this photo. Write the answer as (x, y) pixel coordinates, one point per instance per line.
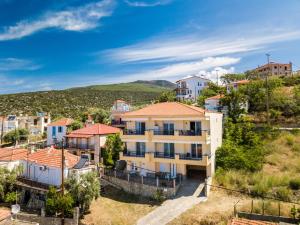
(294, 184)
(260, 189)
(290, 140)
(159, 196)
(283, 193)
(296, 148)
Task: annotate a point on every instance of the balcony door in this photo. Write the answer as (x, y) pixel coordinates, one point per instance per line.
(195, 127)
(140, 148)
(169, 149)
(168, 128)
(140, 127)
(196, 150)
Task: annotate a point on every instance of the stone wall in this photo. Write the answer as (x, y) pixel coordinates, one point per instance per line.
(140, 189)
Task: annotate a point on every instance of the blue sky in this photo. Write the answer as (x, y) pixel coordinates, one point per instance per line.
(54, 44)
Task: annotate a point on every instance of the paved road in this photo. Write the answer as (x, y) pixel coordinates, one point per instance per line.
(187, 196)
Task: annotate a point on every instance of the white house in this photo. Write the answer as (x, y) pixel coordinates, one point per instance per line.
(118, 109)
(10, 158)
(189, 88)
(213, 103)
(57, 130)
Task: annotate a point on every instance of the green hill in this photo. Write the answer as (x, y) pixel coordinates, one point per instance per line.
(72, 102)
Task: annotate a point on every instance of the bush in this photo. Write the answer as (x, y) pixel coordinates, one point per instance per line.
(260, 189)
(296, 148)
(290, 140)
(159, 196)
(294, 184)
(283, 193)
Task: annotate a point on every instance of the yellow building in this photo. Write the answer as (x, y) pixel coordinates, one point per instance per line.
(172, 138)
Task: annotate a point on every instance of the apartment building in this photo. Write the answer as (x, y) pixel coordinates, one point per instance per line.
(274, 69)
(189, 88)
(172, 138)
(89, 140)
(118, 109)
(213, 103)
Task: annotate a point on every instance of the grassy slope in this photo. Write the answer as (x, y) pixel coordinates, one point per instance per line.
(72, 102)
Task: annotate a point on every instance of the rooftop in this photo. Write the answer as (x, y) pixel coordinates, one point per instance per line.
(193, 76)
(12, 154)
(95, 129)
(61, 122)
(215, 97)
(168, 109)
(52, 157)
(242, 221)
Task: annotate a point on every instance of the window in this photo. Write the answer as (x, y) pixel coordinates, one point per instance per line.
(45, 120)
(275, 67)
(196, 150)
(53, 131)
(60, 129)
(140, 148)
(198, 83)
(169, 149)
(285, 67)
(35, 121)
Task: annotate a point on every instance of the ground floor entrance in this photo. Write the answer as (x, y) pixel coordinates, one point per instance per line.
(196, 172)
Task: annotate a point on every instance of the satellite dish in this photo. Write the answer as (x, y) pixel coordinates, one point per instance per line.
(15, 209)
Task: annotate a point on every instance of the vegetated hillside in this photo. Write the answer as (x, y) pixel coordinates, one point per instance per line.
(162, 83)
(73, 102)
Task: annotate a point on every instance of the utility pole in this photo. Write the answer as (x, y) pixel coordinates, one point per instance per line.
(217, 71)
(2, 129)
(62, 179)
(267, 90)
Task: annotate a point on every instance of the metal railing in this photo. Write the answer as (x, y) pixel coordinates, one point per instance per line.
(134, 154)
(164, 155)
(188, 156)
(163, 132)
(190, 133)
(133, 132)
(80, 146)
(116, 122)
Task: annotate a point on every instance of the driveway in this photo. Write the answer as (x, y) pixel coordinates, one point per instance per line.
(187, 196)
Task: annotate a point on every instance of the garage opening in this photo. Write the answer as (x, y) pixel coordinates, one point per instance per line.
(196, 172)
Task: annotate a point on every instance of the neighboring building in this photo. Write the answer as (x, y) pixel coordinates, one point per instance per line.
(10, 158)
(274, 69)
(213, 103)
(190, 88)
(36, 125)
(118, 109)
(172, 138)
(56, 131)
(236, 85)
(89, 140)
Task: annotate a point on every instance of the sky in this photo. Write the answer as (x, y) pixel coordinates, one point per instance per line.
(54, 44)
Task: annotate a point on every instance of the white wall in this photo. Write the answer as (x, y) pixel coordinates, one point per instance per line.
(212, 104)
(10, 165)
(195, 85)
(59, 136)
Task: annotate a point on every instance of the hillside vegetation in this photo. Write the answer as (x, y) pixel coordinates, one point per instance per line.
(73, 102)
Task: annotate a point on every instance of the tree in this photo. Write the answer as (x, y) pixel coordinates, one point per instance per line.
(75, 126)
(241, 149)
(7, 182)
(56, 203)
(98, 115)
(167, 96)
(210, 91)
(113, 147)
(229, 78)
(235, 101)
(84, 189)
(16, 135)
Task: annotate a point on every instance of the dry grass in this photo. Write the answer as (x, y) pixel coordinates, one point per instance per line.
(117, 208)
(218, 209)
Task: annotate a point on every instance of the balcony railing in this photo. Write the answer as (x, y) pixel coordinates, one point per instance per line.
(118, 123)
(163, 132)
(193, 132)
(188, 156)
(133, 132)
(164, 155)
(134, 154)
(80, 146)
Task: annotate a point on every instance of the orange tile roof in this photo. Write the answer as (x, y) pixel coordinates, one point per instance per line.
(95, 129)
(168, 109)
(4, 214)
(52, 157)
(62, 122)
(242, 221)
(12, 154)
(215, 97)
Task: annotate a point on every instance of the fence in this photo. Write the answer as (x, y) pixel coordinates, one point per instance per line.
(143, 185)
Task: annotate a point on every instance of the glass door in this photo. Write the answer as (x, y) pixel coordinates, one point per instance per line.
(169, 150)
(196, 150)
(168, 128)
(195, 128)
(140, 127)
(140, 148)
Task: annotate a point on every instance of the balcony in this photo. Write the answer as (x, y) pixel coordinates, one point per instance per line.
(163, 132)
(164, 155)
(80, 146)
(190, 132)
(188, 156)
(133, 132)
(134, 154)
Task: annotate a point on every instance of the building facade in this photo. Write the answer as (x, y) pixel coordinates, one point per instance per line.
(274, 69)
(213, 103)
(57, 130)
(118, 109)
(89, 140)
(190, 88)
(172, 138)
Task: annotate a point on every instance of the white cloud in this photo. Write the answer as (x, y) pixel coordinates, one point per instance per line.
(148, 3)
(170, 49)
(74, 19)
(178, 70)
(216, 73)
(13, 64)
